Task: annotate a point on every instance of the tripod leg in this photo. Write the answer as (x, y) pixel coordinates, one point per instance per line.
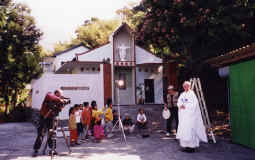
(45, 146)
(115, 126)
(53, 137)
(54, 140)
(122, 129)
(63, 132)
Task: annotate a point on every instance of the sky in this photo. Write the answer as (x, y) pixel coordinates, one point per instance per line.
(58, 19)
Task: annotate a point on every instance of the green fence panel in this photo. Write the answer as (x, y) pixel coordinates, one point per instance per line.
(242, 103)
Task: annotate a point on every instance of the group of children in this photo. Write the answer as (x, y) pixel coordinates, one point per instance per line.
(85, 120)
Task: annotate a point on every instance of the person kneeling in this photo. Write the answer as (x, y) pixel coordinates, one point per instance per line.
(128, 124)
(98, 130)
(141, 120)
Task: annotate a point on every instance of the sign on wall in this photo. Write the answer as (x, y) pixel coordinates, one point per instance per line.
(75, 88)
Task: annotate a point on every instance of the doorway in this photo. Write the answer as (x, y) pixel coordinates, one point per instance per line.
(149, 90)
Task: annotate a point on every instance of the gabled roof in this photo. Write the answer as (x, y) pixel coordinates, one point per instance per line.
(118, 29)
(123, 25)
(244, 53)
(144, 56)
(79, 54)
(69, 49)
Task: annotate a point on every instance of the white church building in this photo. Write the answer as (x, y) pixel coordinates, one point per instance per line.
(86, 75)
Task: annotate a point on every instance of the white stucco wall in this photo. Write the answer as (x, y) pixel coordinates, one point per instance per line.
(158, 83)
(68, 56)
(51, 82)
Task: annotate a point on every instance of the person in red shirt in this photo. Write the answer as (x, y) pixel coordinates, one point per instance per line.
(46, 120)
(86, 118)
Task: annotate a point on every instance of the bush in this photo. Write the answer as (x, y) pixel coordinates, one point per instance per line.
(20, 114)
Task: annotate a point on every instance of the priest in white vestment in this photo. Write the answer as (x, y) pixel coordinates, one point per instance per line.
(191, 129)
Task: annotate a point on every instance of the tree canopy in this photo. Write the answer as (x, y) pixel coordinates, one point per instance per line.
(95, 32)
(20, 52)
(92, 33)
(189, 31)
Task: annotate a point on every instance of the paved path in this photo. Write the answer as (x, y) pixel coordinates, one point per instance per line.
(16, 141)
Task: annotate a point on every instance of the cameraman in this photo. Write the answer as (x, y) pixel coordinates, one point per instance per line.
(46, 120)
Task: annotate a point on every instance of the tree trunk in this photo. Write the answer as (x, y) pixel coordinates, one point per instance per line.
(15, 98)
(6, 99)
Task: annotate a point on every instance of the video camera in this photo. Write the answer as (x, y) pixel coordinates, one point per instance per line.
(55, 107)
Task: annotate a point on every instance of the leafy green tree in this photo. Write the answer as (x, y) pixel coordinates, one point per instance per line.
(131, 15)
(61, 46)
(96, 32)
(190, 31)
(92, 33)
(20, 52)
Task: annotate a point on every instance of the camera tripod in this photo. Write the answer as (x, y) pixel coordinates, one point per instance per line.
(119, 119)
(120, 126)
(52, 133)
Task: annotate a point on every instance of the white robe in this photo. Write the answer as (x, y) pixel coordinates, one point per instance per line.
(191, 129)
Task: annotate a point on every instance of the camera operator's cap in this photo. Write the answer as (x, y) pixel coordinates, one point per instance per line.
(170, 87)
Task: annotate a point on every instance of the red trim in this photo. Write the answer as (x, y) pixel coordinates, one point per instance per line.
(135, 67)
(125, 63)
(113, 70)
(107, 82)
(137, 105)
(149, 64)
(84, 62)
(79, 54)
(234, 56)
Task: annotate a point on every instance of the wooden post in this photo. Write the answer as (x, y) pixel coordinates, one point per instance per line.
(107, 81)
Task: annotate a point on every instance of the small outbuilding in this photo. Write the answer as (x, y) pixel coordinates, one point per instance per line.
(239, 66)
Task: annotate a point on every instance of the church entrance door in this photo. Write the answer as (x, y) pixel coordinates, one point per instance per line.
(149, 90)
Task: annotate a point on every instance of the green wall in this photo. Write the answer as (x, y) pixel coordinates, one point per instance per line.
(242, 103)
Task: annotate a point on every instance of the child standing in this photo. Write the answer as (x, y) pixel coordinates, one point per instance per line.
(108, 117)
(115, 117)
(98, 130)
(86, 118)
(95, 114)
(72, 127)
(78, 119)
